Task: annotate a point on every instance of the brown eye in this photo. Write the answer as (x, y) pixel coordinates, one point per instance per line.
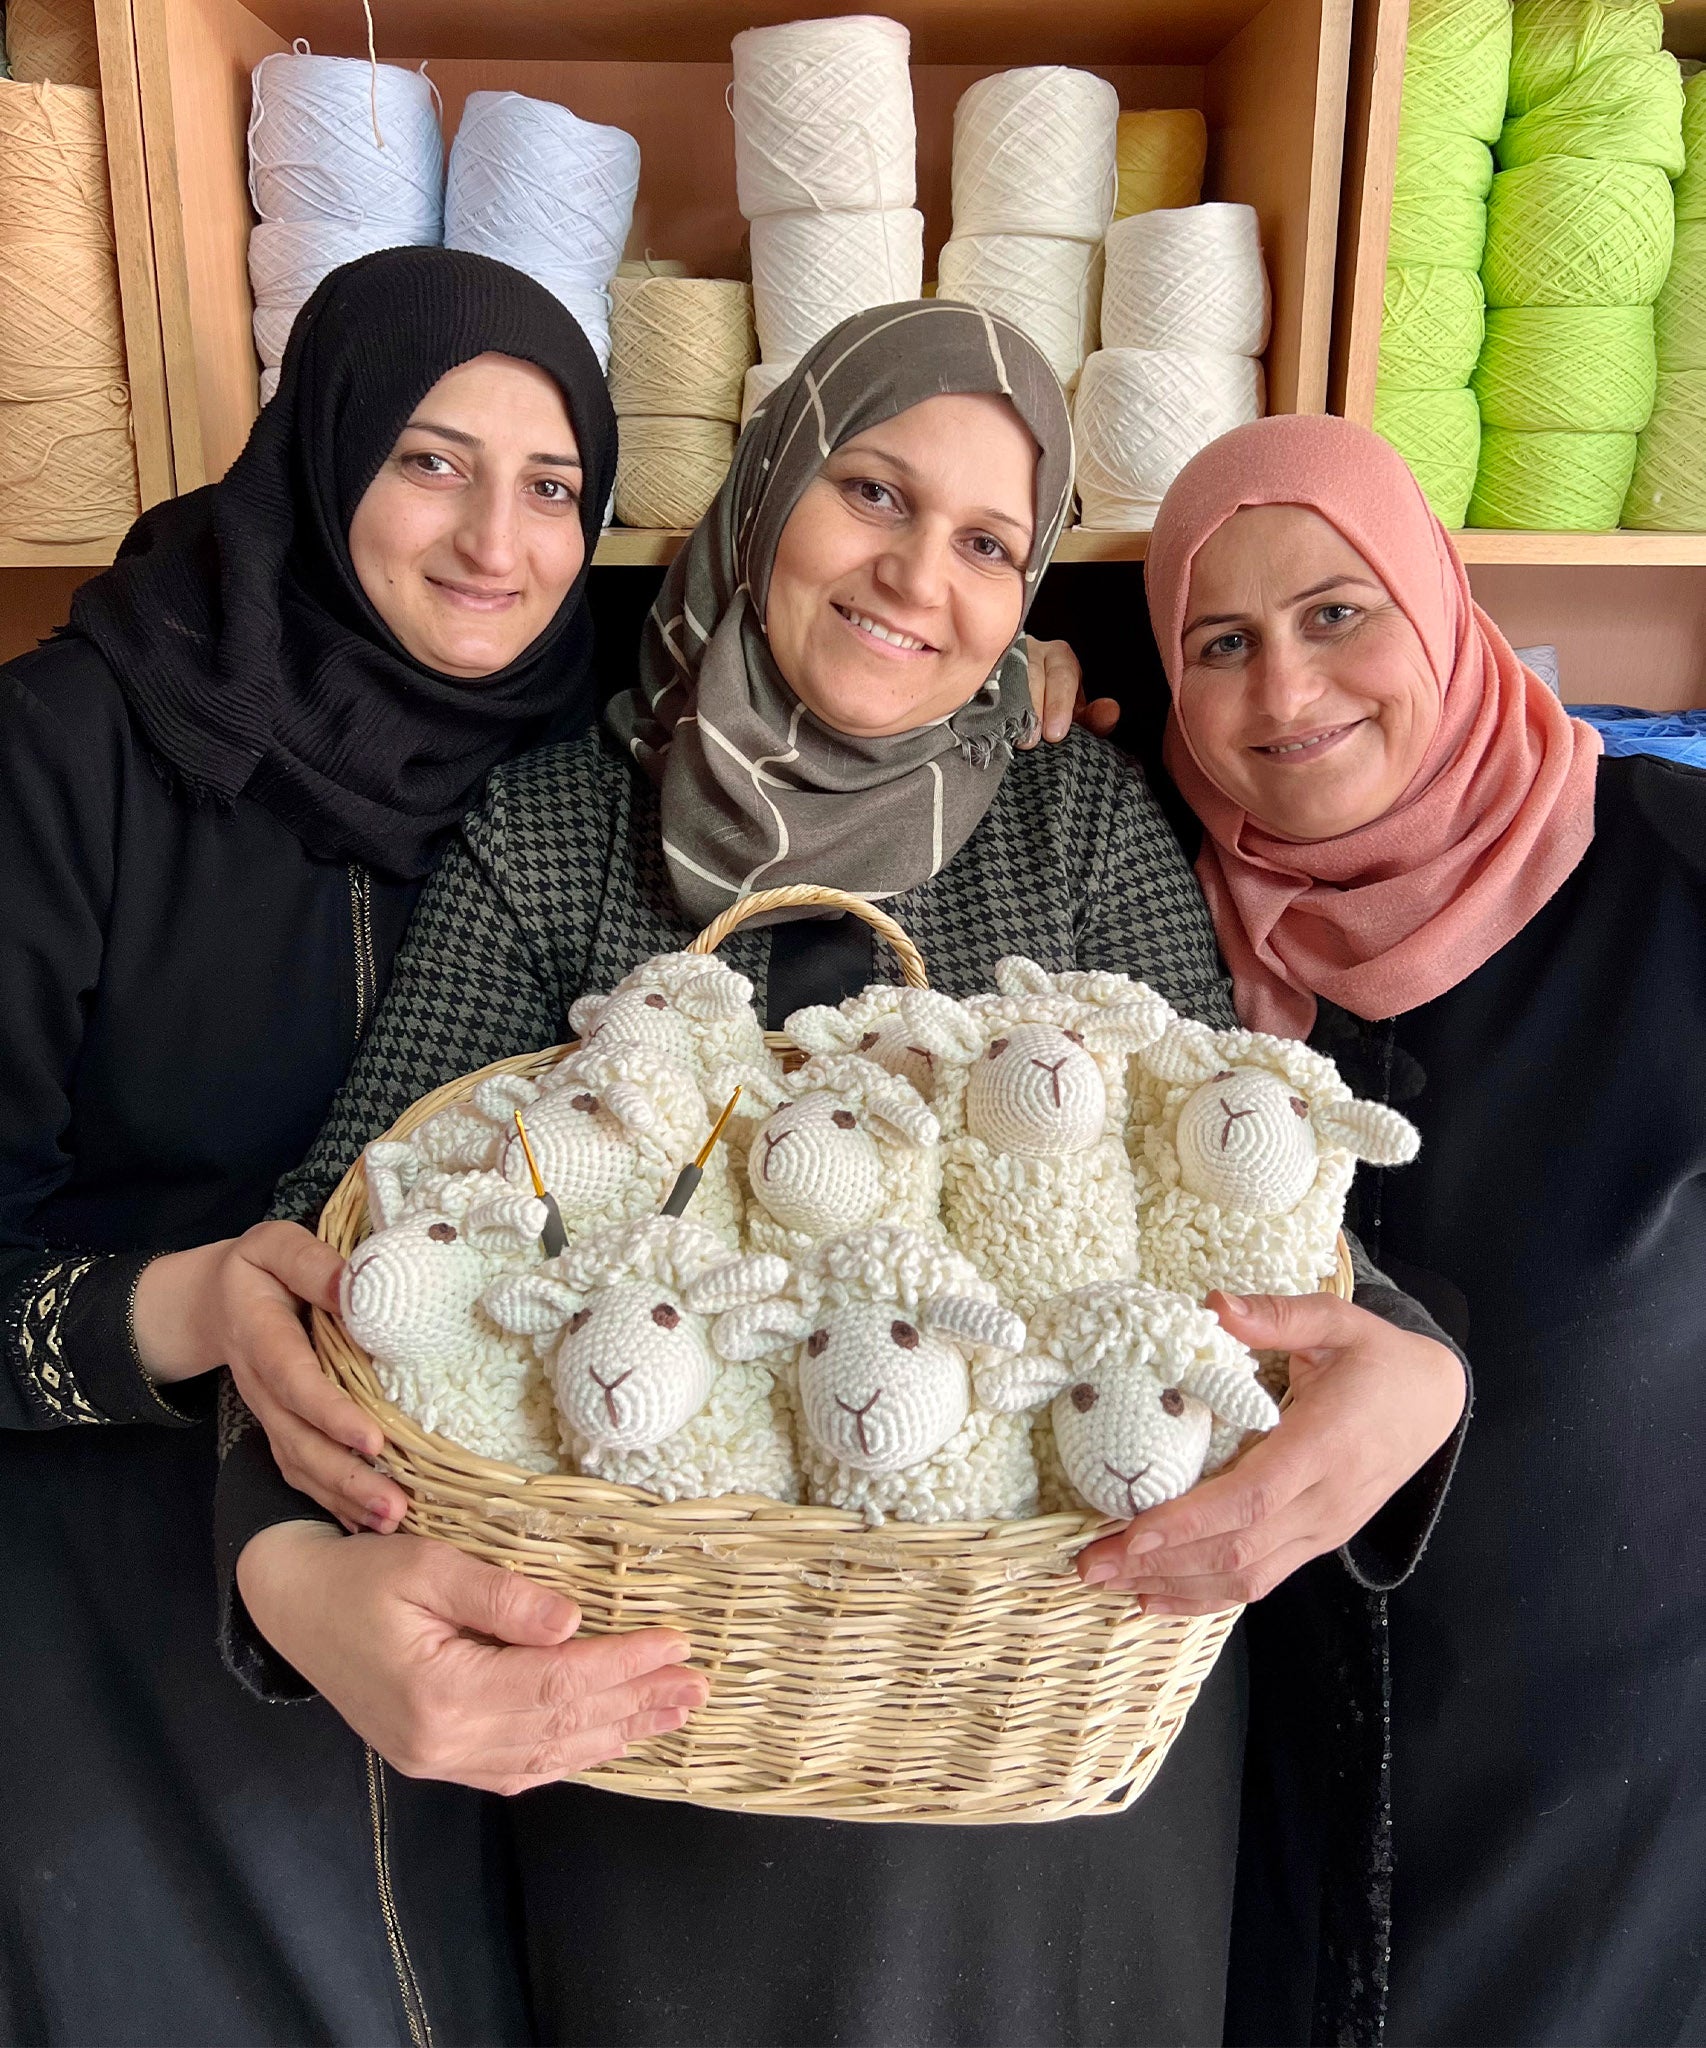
(656, 1003)
(904, 1335)
(1172, 1400)
(665, 1316)
(1077, 1037)
(585, 1103)
(869, 1039)
(1083, 1397)
(1299, 1106)
(817, 1343)
(782, 1106)
(845, 1120)
(1225, 1074)
(578, 1320)
(442, 1233)
(999, 1047)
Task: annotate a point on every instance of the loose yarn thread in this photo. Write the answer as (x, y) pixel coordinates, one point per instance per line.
(1048, 287)
(1035, 153)
(1572, 483)
(1438, 433)
(1564, 369)
(1159, 157)
(823, 117)
(1139, 417)
(680, 346)
(52, 42)
(811, 271)
(1187, 278)
(669, 470)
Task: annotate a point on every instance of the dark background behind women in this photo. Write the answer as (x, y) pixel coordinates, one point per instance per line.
(223, 789)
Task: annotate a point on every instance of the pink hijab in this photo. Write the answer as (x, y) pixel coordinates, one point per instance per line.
(1391, 915)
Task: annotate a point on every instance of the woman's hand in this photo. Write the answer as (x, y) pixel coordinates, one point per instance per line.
(456, 1669)
(1369, 1406)
(241, 1303)
(1057, 694)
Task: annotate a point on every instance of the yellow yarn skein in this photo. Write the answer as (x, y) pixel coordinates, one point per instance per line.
(1160, 153)
(52, 42)
(669, 470)
(1573, 483)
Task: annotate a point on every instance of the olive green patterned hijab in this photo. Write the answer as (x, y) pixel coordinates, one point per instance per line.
(756, 792)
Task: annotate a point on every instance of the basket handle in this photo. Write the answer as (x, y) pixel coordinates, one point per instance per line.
(762, 900)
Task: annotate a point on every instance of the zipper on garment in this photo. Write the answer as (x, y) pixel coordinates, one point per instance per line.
(366, 973)
(414, 2009)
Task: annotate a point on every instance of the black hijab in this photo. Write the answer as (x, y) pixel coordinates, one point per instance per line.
(233, 619)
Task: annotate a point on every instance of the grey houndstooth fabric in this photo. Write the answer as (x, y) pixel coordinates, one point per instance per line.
(558, 885)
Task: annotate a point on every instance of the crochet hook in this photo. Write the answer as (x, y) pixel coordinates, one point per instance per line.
(690, 1176)
(553, 1237)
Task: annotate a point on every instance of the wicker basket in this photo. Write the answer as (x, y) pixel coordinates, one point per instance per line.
(946, 1673)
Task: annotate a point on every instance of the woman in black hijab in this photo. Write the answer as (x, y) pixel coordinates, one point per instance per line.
(220, 790)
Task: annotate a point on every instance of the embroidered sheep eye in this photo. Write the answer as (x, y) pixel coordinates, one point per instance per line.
(1084, 1397)
(869, 1039)
(1298, 1106)
(904, 1335)
(1077, 1037)
(845, 1120)
(578, 1321)
(585, 1103)
(999, 1047)
(665, 1316)
(782, 1106)
(1225, 1074)
(1172, 1400)
(442, 1233)
(817, 1343)
(656, 1003)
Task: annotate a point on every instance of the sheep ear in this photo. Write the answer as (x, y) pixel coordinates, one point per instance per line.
(506, 1223)
(1185, 1052)
(941, 1026)
(761, 1088)
(974, 1321)
(1133, 1024)
(1017, 976)
(630, 1106)
(900, 1111)
(1370, 1130)
(584, 1013)
(758, 1328)
(717, 992)
(735, 1284)
(501, 1095)
(529, 1304)
(1230, 1392)
(390, 1167)
(1011, 1385)
(819, 1028)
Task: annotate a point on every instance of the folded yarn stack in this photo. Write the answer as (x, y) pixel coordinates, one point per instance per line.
(1668, 488)
(1034, 183)
(826, 171)
(67, 463)
(1185, 314)
(1579, 238)
(533, 185)
(1456, 72)
(680, 348)
(1159, 155)
(345, 157)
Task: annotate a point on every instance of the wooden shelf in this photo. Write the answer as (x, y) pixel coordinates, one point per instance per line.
(1566, 550)
(58, 554)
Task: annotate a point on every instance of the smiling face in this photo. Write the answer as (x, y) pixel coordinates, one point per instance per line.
(469, 538)
(1306, 692)
(899, 580)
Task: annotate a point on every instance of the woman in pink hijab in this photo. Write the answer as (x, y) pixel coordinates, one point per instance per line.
(1418, 860)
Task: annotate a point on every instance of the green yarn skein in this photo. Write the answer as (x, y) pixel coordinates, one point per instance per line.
(1430, 328)
(1679, 314)
(1668, 488)
(1574, 369)
(1457, 60)
(1691, 186)
(1573, 483)
(1551, 40)
(1625, 109)
(1439, 193)
(1573, 231)
(1438, 433)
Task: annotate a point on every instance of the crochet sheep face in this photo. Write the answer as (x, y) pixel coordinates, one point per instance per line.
(1137, 1381)
(873, 1025)
(1036, 1089)
(1245, 1141)
(689, 1007)
(877, 1392)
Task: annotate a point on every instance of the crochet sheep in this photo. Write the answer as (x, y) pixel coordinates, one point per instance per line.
(872, 1024)
(410, 1296)
(1146, 1393)
(624, 1320)
(1037, 1190)
(1243, 1148)
(882, 1328)
(846, 1144)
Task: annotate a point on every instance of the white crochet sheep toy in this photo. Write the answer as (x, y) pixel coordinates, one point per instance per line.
(1037, 1190)
(882, 1328)
(625, 1321)
(846, 1143)
(1146, 1392)
(872, 1024)
(1243, 1148)
(410, 1296)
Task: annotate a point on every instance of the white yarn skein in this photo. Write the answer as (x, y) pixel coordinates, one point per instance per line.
(533, 185)
(1141, 414)
(761, 380)
(823, 116)
(1187, 277)
(269, 384)
(288, 258)
(1035, 153)
(312, 153)
(1048, 287)
(811, 271)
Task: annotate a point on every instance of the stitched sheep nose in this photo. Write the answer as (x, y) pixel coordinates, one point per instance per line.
(771, 1141)
(1129, 1481)
(1232, 1116)
(608, 1389)
(1054, 1075)
(859, 1415)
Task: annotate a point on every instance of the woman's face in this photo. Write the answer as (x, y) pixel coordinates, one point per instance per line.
(468, 539)
(1306, 693)
(899, 580)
